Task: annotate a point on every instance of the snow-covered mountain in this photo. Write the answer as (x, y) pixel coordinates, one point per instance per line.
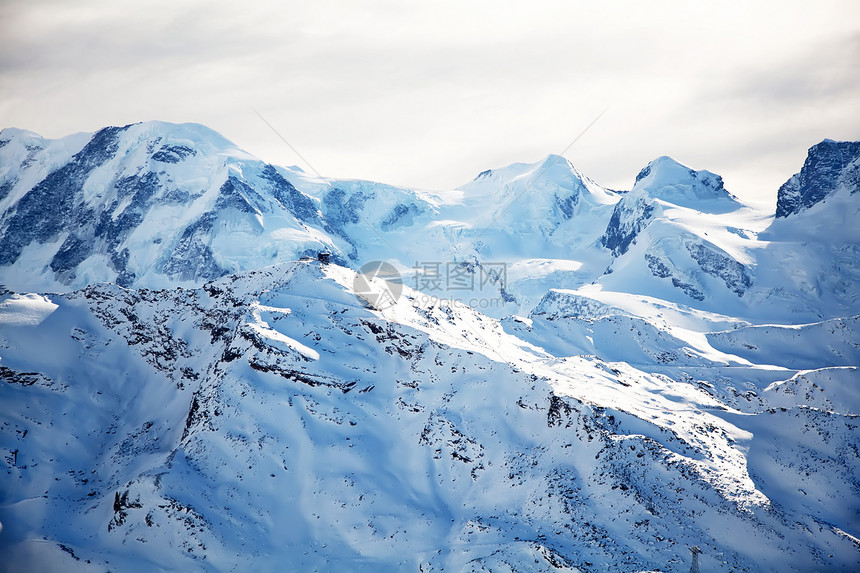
(156, 205)
(628, 375)
(664, 183)
(669, 237)
(149, 204)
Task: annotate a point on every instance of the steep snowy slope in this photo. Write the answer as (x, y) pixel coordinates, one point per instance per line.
(270, 421)
(808, 346)
(664, 182)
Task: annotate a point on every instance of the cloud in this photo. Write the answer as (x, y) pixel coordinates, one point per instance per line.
(428, 94)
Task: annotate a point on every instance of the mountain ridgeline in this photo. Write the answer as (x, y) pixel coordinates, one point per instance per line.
(156, 205)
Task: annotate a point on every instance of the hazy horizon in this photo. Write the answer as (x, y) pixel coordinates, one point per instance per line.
(429, 95)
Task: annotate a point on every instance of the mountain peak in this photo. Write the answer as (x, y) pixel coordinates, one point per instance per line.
(150, 203)
(552, 159)
(668, 180)
(552, 173)
(192, 135)
(9, 133)
(664, 180)
(514, 171)
(547, 193)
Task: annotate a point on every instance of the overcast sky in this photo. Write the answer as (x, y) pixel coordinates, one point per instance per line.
(428, 94)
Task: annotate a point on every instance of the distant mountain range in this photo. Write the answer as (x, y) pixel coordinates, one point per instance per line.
(156, 205)
(573, 378)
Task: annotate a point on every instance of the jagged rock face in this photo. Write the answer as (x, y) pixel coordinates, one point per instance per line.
(733, 273)
(829, 166)
(54, 206)
(660, 268)
(630, 216)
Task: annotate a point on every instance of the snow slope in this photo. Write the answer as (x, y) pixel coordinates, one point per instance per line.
(271, 421)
